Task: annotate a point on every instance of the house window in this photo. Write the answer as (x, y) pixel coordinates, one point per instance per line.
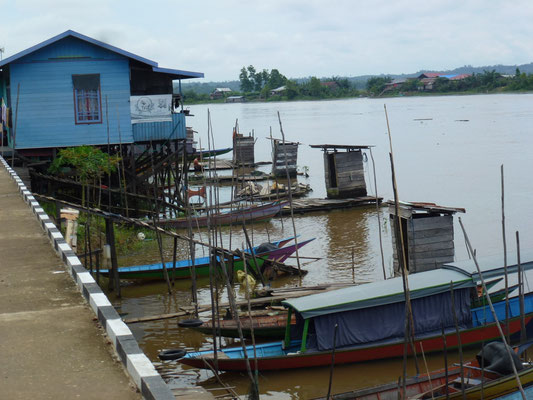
(87, 99)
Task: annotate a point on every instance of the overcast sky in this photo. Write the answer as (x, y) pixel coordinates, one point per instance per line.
(298, 37)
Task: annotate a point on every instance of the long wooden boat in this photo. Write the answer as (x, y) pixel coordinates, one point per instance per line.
(201, 265)
(248, 215)
(278, 356)
(264, 326)
(440, 384)
(274, 326)
(370, 319)
(208, 153)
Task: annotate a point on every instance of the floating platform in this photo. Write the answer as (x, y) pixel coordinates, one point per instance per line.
(224, 164)
(306, 205)
(201, 179)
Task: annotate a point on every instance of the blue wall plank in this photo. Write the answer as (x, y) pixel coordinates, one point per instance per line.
(46, 102)
(146, 131)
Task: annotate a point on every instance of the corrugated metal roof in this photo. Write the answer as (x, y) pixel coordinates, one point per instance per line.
(340, 146)
(178, 73)
(429, 207)
(379, 293)
(492, 266)
(431, 74)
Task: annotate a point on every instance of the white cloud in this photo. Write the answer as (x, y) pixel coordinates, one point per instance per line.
(298, 37)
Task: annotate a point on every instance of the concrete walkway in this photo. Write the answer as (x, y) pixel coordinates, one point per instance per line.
(51, 344)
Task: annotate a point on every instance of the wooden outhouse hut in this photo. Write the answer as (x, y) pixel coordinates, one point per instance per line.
(344, 170)
(73, 90)
(243, 149)
(427, 231)
(281, 152)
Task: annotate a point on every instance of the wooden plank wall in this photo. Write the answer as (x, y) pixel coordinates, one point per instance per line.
(160, 130)
(430, 241)
(350, 175)
(46, 101)
(243, 150)
(278, 158)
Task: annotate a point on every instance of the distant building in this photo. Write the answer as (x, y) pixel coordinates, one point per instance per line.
(460, 77)
(394, 84)
(332, 85)
(427, 79)
(278, 91)
(429, 75)
(219, 93)
(235, 99)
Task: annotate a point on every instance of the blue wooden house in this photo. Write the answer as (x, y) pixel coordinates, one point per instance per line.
(73, 90)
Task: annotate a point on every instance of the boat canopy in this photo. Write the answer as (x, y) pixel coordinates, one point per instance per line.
(492, 266)
(390, 291)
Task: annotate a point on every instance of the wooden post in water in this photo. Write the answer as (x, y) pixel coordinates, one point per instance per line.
(445, 346)
(110, 239)
(409, 323)
(353, 264)
(332, 366)
(378, 214)
(290, 199)
(459, 344)
(505, 262)
(523, 334)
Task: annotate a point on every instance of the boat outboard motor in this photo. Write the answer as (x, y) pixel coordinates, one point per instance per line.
(494, 357)
(264, 247)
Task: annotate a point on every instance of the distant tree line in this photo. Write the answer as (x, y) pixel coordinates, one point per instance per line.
(488, 81)
(259, 85)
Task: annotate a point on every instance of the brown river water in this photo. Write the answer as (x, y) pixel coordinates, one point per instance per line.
(447, 150)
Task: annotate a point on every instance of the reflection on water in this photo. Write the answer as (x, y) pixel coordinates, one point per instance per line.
(445, 160)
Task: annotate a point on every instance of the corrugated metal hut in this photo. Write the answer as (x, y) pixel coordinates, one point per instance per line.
(75, 90)
(344, 170)
(279, 151)
(428, 237)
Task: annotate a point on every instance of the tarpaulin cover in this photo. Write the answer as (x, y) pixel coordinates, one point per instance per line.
(379, 293)
(383, 322)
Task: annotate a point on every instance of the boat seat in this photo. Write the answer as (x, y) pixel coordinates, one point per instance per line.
(212, 355)
(469, 382)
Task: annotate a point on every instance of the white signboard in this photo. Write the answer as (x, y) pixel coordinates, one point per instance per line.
(151, 108)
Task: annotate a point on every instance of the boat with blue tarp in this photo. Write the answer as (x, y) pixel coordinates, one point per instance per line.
(370, 321)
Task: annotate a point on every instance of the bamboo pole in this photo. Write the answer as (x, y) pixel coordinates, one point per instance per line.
(427, 370)
(492, 310)
(332, 365)
(379, 215)
(402, 261)
(255, 384)
(523, 334)
(192, 247)
(155, 218)
(505, 260)
(212, 260)
(459, 344)
(235, 312)
(290, 196)
(446, 378)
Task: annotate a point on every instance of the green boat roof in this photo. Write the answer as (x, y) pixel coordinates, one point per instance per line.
(492, 266)
(374, 294)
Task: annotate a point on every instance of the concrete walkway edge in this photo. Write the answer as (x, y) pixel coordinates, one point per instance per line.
(139, 367)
